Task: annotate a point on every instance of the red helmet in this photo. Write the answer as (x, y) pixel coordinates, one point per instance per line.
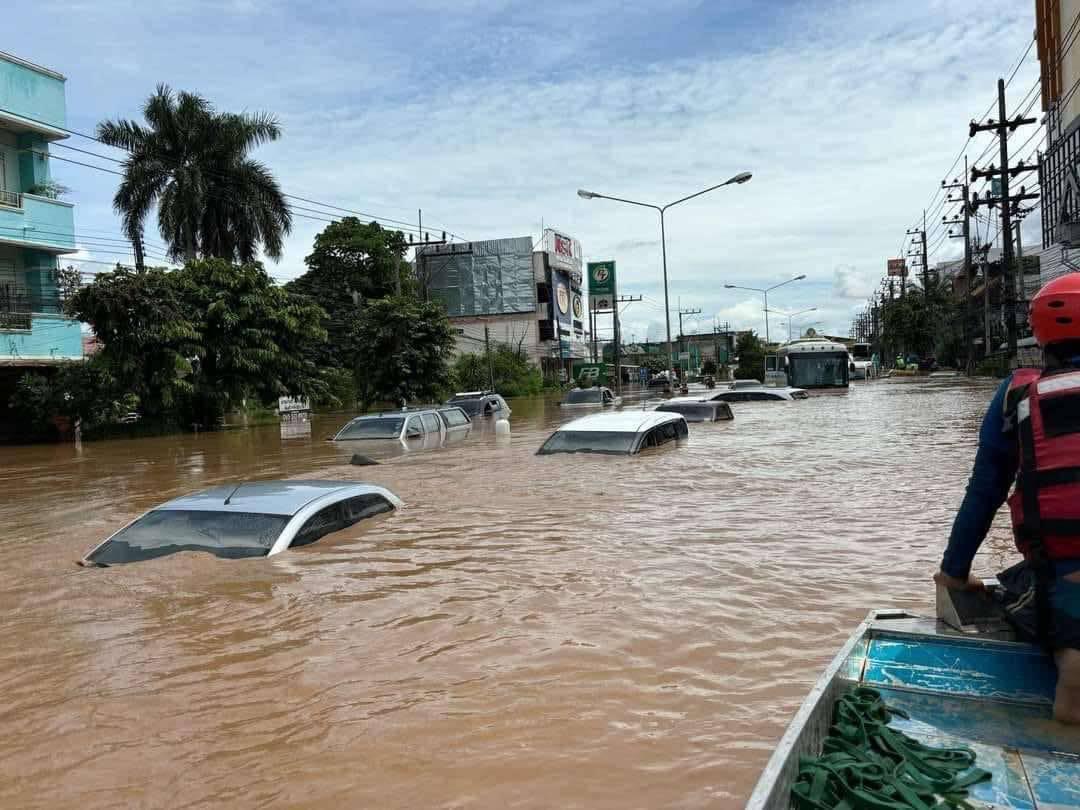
(1055, 310)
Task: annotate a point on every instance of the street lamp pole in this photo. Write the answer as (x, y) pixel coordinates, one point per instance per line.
(765, 292)
(789, 316)
(742, 177)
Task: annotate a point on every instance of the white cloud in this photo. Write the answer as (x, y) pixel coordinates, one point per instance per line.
(847, 113)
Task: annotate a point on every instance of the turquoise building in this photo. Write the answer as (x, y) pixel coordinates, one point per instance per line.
(37, 227)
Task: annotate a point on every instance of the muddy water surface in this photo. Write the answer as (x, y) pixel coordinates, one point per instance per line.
(572, 631)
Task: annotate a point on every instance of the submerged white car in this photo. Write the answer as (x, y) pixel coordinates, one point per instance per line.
(624, 433)
(256, 519)
(758, 393)
(697, 409)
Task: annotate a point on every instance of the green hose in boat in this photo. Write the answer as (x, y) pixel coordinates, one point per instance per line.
(865, 765)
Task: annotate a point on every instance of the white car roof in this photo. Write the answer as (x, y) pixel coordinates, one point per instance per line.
(620, 422)
(272, 497)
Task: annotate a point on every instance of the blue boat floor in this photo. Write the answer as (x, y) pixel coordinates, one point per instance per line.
(1035, 762)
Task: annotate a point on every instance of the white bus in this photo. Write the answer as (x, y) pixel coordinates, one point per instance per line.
(812, 363)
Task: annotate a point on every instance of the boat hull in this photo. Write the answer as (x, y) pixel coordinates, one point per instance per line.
(972, 689)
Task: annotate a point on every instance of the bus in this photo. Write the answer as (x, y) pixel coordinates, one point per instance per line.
(812, 363)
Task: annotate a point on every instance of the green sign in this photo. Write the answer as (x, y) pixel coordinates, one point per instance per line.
(602, 279)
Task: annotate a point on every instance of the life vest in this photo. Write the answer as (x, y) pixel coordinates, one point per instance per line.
(1044, 410)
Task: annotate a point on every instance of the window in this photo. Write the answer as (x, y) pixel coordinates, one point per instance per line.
(377, 428)
(365, 506)
(414, 428)
(771, 362)
(582, 396)
(588, 441)
(431, 423)
(681, 430)
(454, 417)
(819, 370)
(322, 523)
(231, 535)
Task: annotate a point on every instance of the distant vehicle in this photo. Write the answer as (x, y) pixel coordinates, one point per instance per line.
(480, 403)
(130, 418)
(810, 363)
(582, 397)
(658, 382)
(409, 427)
(250, 519)
(697, 409)
(621, 433)
(738, 385)
(861, 362)
(757, 393)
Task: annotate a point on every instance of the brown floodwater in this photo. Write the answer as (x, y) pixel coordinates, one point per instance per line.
(571, 631)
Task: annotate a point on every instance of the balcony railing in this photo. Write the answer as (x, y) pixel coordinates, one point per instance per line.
(12, 199)
(18, 306)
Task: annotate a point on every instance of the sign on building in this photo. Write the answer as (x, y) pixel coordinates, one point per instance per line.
(602, 279)
(564, 253)
(897, 267)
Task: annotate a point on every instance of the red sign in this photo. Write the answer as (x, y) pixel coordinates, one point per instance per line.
(564, 246)
(897, 267)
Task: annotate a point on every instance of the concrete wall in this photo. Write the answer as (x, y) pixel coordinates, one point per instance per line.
(32, 92)
(51, 337)
(509, 329)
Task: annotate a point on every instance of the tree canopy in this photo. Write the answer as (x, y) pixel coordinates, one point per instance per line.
(191, 162)
(751, 353)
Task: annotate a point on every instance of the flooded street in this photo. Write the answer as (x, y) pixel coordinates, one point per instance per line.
(571, 631)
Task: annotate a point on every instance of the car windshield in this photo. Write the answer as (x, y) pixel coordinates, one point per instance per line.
(232, 535)
(692, 411)
(382, 427)
(582, 395)
(589, 441)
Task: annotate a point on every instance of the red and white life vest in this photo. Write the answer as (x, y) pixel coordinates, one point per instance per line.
(1045, 505)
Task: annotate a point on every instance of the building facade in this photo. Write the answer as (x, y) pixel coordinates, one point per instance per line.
(1059, 166)
(36, 227)
(503, 291)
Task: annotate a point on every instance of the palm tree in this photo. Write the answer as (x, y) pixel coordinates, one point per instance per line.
(191, 162)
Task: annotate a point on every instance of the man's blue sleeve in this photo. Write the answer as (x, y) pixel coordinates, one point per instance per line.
(991, 477)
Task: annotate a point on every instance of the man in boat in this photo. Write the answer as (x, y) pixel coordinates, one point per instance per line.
(1031, 436)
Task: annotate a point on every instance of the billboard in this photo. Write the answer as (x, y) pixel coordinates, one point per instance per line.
(896, 267)
(602, 279)
(491, 277)
(561, 302)
(564, 253)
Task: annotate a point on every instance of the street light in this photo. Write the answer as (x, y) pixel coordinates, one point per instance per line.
(790, 315)
(765, 292)
(738, 179)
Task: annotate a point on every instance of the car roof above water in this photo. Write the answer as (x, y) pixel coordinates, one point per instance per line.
(265, 497)
(620, 422)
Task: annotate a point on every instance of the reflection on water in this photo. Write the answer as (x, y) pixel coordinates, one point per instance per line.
(579, 631)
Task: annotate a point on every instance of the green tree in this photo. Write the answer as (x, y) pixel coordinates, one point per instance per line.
(708, 367)
(398, 349)
(149, 334)
(654, 363)
(192, 163)
(513, 375)
(255, 339)
(751, 353)
(81, 391)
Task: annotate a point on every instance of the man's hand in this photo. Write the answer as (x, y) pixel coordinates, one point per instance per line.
(972, 583)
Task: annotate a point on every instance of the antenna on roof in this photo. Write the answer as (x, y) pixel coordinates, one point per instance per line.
(229, 496)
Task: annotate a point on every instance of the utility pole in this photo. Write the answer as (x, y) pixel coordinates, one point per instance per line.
(1003, 126)
(622, 299)
(140, 262)
(681, 313)
(969, 273)
(921, 253)
(487, 355)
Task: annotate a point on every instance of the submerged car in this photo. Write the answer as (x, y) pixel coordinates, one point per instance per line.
(580, 397)
(697, 409)
(250, 519)
(480, 403)
(758, 393)
(418, 425)
(624, 433)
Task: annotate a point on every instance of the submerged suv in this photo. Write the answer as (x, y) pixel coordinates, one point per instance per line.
(437, 422)
(480, 403)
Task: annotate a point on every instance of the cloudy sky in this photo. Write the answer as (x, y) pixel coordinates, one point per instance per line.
(490, 114)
